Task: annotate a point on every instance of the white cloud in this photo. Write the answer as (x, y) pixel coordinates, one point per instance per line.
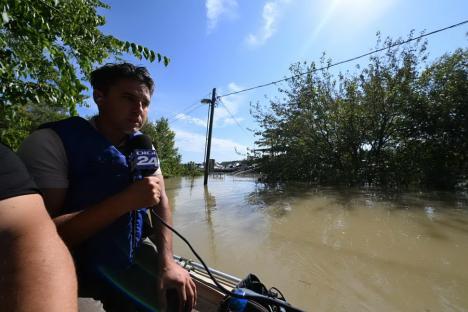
(192, 120)
(215, 9)
(270, 16)
(222, 149)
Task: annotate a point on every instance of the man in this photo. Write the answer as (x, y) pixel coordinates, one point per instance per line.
(85, 178)
(36, 269)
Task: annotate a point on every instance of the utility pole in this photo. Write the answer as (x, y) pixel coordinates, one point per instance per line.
(210, 131)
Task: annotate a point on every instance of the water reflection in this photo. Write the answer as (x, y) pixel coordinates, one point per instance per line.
(173, 188)
(329, 249)
(210, 200)
(210, 205)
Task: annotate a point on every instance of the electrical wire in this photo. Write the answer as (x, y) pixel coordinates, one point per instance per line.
(345, 61)
(187, 110)
(174, 116)
(181, 116)
(232, 115)
(251, 296)
(188, 107)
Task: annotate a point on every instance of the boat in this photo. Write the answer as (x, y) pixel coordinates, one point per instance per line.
(211, 298)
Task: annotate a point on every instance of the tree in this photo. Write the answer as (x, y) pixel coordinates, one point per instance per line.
(163, 140)
(441, 121)
(389, 86)
(47, 50)
(393, 123)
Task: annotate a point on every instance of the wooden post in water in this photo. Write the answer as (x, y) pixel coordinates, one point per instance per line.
(210, 131)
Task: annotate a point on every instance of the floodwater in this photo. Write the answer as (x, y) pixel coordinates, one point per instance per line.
(329, 249)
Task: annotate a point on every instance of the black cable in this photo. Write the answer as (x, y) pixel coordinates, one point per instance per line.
(188, 107)
(278, 292)
(250, 296)
(346, 61)
(186, 111)
(174, 116)
(232, 115)
(180, 116)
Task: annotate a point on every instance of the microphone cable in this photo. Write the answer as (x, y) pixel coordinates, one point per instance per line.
(251, 295)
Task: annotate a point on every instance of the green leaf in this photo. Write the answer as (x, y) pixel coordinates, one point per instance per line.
(127, 46)
(146, 53)
(159, 58)
(47, 57)
(166, 61)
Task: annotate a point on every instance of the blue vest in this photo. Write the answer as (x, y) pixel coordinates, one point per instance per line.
(96, 171)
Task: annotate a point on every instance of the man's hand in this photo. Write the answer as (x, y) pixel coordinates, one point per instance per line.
(143, 193)
(173, 276)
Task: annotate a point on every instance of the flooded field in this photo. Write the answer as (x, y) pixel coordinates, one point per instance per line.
(329, 249)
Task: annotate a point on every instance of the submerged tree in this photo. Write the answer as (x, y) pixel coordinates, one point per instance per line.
(47, 51)
(440, 135)
(391, 123)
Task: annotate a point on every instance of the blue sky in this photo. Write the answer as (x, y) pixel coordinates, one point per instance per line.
(235, 44)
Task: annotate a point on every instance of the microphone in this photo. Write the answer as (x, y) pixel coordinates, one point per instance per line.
(143, 159)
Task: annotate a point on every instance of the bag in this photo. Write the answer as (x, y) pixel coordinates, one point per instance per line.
(251, 282)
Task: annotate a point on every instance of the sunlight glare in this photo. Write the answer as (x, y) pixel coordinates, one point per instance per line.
(343, 18)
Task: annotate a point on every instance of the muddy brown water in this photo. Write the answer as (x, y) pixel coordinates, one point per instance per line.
(329, 249)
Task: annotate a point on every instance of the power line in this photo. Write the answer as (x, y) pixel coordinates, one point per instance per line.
(234, 118)
(189, 107)
(184, 110)
(180, 116)
(346, 61)
(187, 110)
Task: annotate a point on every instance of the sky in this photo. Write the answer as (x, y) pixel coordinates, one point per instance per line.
(236, 44)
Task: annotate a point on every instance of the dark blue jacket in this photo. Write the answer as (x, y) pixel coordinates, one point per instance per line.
(96, 171)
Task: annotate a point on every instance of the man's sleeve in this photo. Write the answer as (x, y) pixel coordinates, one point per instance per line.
(14, 178)
(45, 158)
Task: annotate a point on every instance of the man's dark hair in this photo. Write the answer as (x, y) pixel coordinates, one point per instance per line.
(104, 77)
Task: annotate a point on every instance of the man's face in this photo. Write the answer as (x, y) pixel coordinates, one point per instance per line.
(124, 107)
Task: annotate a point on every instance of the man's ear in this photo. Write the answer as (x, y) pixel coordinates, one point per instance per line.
(98, 97)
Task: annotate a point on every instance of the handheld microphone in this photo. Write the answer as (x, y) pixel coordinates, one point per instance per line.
(143, 159)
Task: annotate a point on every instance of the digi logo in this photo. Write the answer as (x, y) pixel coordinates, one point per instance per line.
(144, 160)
